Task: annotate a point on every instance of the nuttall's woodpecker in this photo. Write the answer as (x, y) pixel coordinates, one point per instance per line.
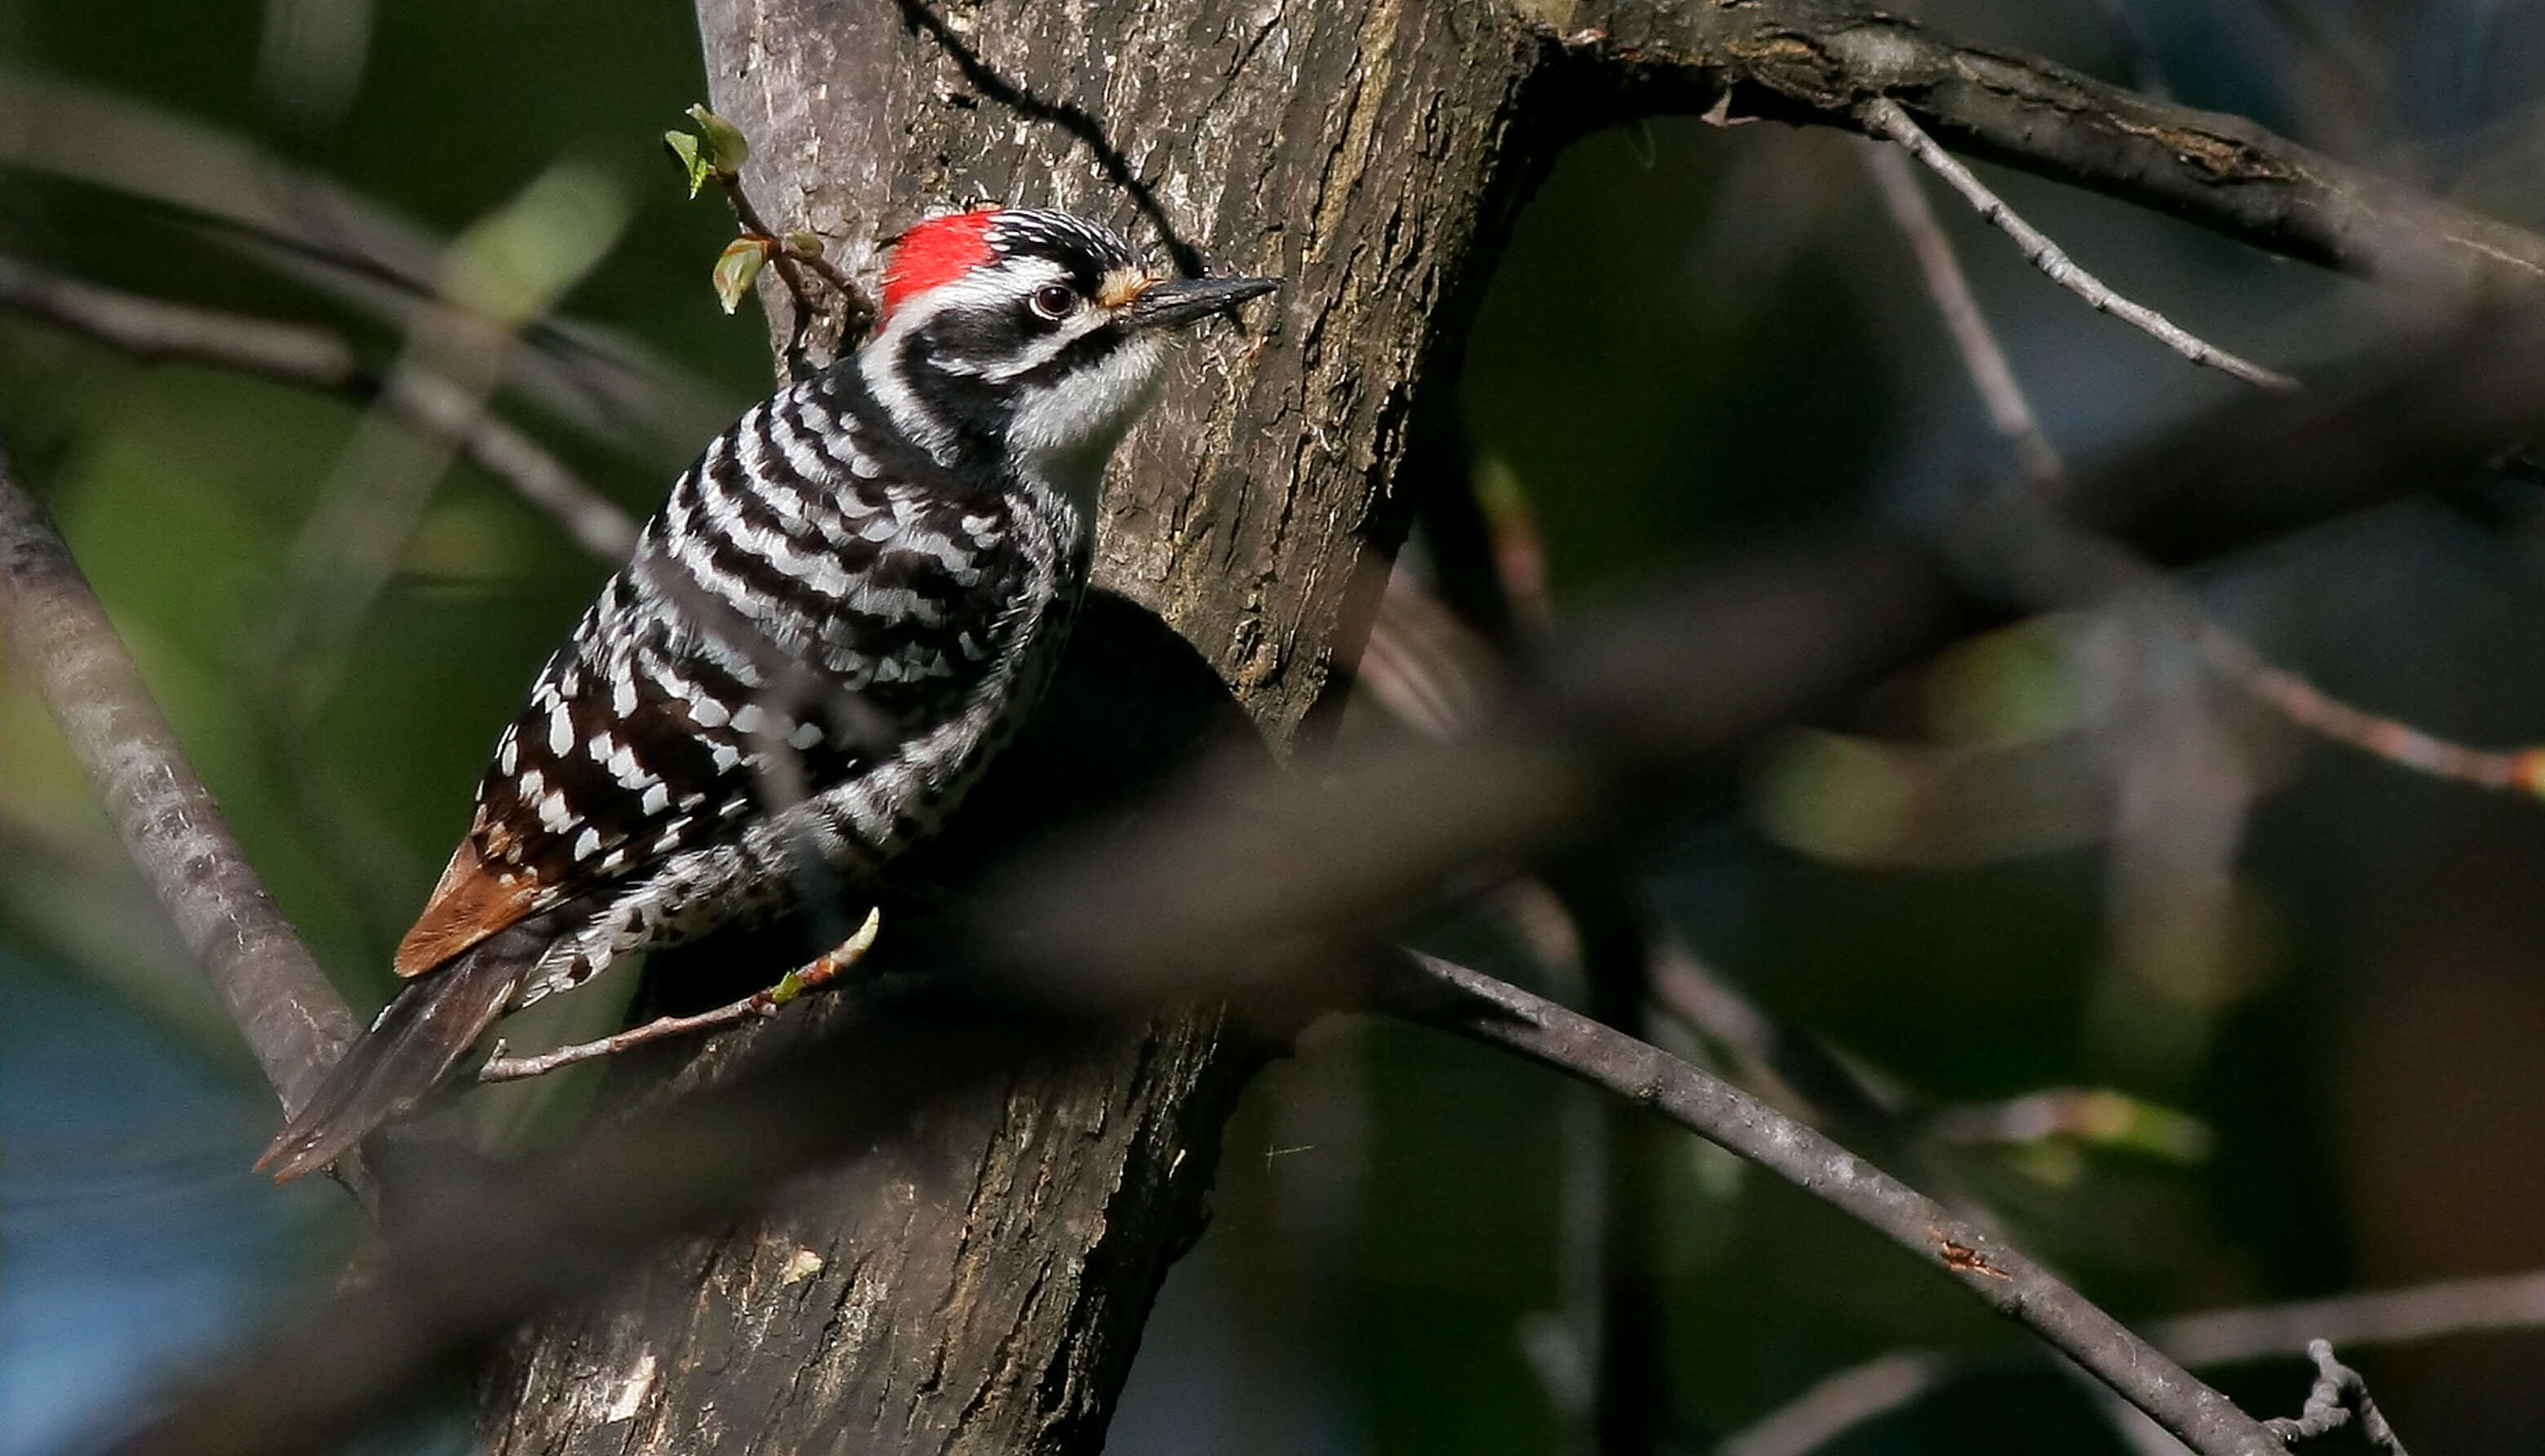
(854, 596)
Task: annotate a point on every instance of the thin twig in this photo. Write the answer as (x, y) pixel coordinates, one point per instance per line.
(861, 308)
(2511, 771)
(2446, 1309)
(1472, 1005)
(1950, 288)
(2481, 1305)
(306, 225)
(170, 825)
(856, 311)
(822, 972)
(318, 361)
(1884, 115)
(2338, 1405)
(1842, 1402)
(2010, 413)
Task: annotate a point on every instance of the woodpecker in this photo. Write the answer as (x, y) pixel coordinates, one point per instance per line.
(844, 608)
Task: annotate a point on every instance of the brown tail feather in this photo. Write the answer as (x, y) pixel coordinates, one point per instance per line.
(406, 1054)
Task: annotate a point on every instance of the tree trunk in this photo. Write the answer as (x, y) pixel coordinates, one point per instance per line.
(978, 1283)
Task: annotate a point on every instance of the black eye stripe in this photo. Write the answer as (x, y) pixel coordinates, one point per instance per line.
(1076, 355)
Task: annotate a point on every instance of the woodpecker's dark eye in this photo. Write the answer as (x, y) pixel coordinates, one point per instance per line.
(1054, 300)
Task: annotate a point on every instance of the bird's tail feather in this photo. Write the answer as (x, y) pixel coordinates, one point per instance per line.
(407, 1054)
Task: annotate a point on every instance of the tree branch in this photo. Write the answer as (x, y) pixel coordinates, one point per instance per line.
(1813, 62)
(2009, 411)
(310, 228)
(1477, 1006)
(494, 1248)
(1884, 117)
(2485, 1304)
(322, 363)
(819, 974)
(2339, 1409)
(292, 1017)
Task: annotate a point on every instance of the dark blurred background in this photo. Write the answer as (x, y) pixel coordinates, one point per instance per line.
(2065, 857)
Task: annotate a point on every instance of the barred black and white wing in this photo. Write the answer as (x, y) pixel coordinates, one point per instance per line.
(817, 642)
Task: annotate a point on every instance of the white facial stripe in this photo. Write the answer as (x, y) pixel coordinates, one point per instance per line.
(877, 362)
(1043, 351)
(1064, 432)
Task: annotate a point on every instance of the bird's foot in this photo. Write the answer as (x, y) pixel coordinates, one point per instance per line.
(822, 971)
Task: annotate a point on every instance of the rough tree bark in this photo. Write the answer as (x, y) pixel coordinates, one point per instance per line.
(978, 1282)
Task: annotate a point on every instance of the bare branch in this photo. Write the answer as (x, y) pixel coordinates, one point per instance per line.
(315, 359)
(284, 1006)
(2509, 770)
(1814, 63)
(2514, 771)
(2484, 1303)
(495, 1248)
(1885, 117)
(819, 974)
(2446, 1309)
(1983, 359)
(311, 227)
(1841, 1402)
(1480, 1009)
(2338, 1406)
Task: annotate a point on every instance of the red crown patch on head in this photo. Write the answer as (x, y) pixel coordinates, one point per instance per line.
(938, 251)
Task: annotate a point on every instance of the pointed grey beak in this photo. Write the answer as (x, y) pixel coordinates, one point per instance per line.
(1182, 301)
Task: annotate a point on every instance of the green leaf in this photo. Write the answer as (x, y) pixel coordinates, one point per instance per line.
(804, 244)
(725, 149)
(736, 266)
(685, 151)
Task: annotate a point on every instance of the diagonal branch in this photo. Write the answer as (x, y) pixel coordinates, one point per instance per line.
(1480, 1009)
(307, 226)
(821, 973)
(2482, 1305)
(2514, 771)
(1884, 117)
(2010, 410)
(282, 1003)
(322, 363)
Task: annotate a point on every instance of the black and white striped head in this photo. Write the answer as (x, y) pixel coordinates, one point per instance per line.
(1018, 339)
